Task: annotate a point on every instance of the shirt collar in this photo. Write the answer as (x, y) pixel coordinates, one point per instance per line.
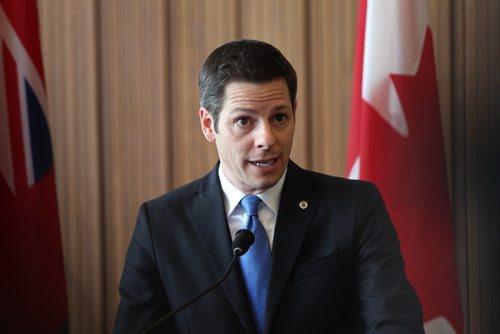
(233, 196)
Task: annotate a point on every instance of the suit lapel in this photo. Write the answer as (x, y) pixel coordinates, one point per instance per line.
(298, 205)
(209, 221)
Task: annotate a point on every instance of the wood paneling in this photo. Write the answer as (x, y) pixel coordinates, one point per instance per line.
(195, 29)
(134, 124)
(332, 40)
(123, 111)
(475, 86)
(69, 39)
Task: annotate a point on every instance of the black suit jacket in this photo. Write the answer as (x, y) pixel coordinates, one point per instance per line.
(336, 264)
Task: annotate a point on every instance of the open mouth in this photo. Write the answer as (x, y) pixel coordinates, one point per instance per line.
(263, 163)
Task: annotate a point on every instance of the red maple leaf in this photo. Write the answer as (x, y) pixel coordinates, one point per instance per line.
(411, 174)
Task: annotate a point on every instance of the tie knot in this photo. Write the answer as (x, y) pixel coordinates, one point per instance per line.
(251, 204)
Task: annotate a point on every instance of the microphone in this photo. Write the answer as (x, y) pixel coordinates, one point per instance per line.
(242, 241)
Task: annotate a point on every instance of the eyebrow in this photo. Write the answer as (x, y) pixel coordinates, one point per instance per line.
(249, 110)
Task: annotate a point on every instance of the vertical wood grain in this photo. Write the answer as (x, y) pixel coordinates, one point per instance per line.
(333, 34)
(68, 35)
(133, 81)
(492, 159)
(197, 27)
(458, 170)
(475, 85)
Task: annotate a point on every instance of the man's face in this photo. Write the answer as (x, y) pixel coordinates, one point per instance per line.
(255, 133)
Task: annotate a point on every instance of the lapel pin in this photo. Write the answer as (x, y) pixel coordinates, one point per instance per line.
(303, 205)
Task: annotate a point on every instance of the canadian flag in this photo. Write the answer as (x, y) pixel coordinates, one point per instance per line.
(32, 281)
(396, 141)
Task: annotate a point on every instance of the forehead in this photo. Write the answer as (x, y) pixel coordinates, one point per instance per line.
(240, 94)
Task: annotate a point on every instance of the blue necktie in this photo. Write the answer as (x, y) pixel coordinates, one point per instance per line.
(256, 263)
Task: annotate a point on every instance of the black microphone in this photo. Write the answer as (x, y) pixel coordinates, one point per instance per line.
(242, 241)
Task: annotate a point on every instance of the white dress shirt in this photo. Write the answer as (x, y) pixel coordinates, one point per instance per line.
(268, 208)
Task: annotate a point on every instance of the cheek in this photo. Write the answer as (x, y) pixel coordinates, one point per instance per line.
(231, 150)
(241, 145)
(234, 146)
(286, 138)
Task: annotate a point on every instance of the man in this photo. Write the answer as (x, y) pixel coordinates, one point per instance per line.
(328, 255)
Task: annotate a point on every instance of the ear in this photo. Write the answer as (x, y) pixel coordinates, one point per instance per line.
(207, 124)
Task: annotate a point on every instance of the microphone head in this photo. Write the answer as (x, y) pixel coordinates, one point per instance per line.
(242, 241)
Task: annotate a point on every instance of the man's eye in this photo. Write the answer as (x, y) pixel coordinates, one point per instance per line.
(280, 118)
(242, 121)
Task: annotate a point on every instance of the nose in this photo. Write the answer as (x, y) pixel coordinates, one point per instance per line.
(264, 136)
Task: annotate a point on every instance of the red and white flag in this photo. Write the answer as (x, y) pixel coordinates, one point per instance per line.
(396, 141)
(32, 282)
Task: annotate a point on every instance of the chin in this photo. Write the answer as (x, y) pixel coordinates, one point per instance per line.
(266, 184)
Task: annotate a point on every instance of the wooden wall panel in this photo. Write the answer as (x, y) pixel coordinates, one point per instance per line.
(195, 29)
(471, 187)
(476, 161)
(133, 109)
(68, 34)
(332, 40)
(458, 198)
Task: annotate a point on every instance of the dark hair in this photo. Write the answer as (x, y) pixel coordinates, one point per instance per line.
(242, 60)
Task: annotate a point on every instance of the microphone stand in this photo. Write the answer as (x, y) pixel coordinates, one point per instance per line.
(198, 296)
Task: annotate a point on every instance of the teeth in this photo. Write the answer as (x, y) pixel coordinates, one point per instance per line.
(264, 163)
